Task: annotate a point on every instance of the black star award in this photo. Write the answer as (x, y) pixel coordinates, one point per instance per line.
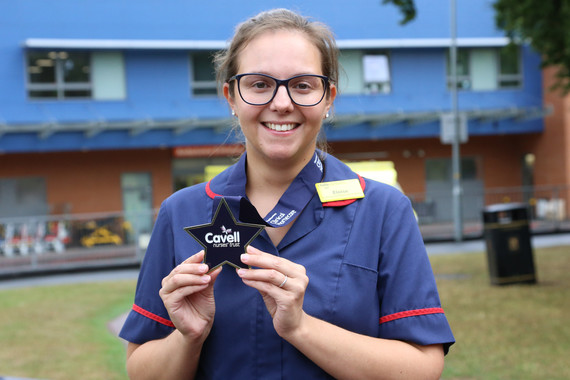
(224, 239)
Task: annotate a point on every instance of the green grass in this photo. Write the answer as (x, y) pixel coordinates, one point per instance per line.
(506, 332)
(60, 332)
(502, 332)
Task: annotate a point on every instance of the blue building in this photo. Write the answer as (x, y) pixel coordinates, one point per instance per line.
(112, 105)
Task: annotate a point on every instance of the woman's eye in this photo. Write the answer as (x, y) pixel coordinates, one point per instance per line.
(302, 86)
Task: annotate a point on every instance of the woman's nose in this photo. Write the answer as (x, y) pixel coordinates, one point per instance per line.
(282, 102)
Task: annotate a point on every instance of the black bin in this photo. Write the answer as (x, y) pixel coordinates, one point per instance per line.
(509, 250)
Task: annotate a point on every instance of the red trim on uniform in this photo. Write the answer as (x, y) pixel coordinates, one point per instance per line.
(152, 316)
(411, 313)
(209, 191)
(346, 201)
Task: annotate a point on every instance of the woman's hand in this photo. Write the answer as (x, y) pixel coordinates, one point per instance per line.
(188, 295)
(282, 285)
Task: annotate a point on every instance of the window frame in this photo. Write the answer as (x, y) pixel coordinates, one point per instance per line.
(385, 86)
(59, 86)
(464, 82)
(202, 85)
(353, 66)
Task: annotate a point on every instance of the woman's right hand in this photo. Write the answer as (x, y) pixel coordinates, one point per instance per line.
(188, 295)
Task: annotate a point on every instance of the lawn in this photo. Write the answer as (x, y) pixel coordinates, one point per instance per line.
(60, 332)
(503, 332)
(507, 332)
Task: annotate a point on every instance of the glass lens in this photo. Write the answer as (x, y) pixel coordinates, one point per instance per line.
(256, 89)
(306, 90)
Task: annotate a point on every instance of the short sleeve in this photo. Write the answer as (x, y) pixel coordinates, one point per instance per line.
(410, 305)
(149, 320)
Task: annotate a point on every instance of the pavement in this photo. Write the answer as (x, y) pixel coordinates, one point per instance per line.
(470, 246)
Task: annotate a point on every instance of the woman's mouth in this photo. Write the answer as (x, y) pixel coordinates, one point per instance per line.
(280, 127)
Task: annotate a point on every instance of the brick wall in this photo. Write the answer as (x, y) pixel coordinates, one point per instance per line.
(85, 182)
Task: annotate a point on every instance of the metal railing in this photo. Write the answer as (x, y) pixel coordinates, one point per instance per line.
(60, 242)
(57, 242)
(549, 209)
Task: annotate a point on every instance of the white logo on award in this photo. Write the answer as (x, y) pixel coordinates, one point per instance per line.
(226, 239)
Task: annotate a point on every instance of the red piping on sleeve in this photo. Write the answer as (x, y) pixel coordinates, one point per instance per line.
(152, 316)
(411, 313)
(209, 191)
(346, 201)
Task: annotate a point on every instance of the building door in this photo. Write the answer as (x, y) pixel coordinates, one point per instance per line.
(23, 197)
(137, 202)
(190, 171)
(439, 186)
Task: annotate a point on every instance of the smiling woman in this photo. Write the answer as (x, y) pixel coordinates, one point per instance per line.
(372, 307)
(276, 127)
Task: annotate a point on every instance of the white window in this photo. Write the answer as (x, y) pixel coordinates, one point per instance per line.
(487, 69)
(366, 72)
(76, 74)
(108, 76)
(203, 74)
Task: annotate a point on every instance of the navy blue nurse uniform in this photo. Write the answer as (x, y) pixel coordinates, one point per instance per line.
(366, 262)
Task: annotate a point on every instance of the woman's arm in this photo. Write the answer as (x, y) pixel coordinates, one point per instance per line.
(188, 295)
(347, 355)
(341, 353)
(174, 357)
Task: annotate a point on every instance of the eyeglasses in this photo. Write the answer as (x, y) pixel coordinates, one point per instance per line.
(260, 89)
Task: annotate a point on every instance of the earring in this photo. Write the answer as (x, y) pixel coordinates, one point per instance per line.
(233, 113)
(326, 115)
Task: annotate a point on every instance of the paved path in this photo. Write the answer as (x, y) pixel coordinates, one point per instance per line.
(469, 246)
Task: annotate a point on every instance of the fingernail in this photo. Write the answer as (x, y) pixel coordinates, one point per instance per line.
(241, 272)
(244, 257)
(203, 268)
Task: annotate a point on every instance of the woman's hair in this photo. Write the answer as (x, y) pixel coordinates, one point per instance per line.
(227, 61)
(319, 34)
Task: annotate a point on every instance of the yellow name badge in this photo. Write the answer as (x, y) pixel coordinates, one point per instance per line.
(339, 190)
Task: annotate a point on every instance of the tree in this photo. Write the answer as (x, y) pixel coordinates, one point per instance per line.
(407, 7)
(544, 25)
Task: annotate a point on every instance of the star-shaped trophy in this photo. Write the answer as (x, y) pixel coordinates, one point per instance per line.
(224, 239)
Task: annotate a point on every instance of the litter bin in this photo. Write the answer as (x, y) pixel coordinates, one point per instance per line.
(509, 250)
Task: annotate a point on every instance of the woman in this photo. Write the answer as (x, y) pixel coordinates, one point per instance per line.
(338, 289)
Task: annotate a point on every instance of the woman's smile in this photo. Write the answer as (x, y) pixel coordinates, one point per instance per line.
(281, 127)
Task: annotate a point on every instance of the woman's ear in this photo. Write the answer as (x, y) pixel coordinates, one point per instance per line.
(330, 98)
(332, 94)
(228, 96)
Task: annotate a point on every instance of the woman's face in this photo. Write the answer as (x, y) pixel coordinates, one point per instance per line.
(280, 131)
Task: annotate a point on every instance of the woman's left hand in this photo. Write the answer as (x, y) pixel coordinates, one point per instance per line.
(282, 285)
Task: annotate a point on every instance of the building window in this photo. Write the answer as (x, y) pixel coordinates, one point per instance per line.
(486, 69)
(203, 74)
(366, 72)
(23, 196)
(76, 75)
(440, 169)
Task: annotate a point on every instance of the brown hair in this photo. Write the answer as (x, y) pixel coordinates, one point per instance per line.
(319, 34)
(226, 61)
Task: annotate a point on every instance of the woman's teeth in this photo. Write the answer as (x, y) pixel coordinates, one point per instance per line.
(280, 127)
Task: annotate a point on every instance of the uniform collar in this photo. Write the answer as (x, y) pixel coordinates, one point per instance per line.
(232, 180)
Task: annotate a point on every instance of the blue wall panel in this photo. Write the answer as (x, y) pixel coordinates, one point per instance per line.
(158, 82)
